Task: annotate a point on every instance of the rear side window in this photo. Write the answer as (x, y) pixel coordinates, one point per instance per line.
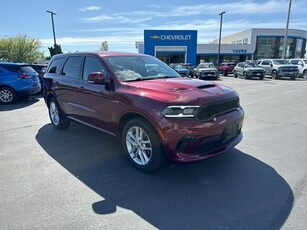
(19, 68)
(27, 69)
(72, 67)
(12, 68)
(55, 65)
(265, 63)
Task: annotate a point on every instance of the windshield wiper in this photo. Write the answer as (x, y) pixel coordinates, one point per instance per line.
(135, 79)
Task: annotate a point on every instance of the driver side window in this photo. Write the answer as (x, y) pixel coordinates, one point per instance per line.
(92, 64)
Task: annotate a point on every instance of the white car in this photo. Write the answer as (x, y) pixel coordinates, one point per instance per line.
(302, 66)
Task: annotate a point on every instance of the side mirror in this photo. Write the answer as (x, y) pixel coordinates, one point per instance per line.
(96, 78)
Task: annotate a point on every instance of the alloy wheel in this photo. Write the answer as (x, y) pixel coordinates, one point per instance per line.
(138, 145)
(54, 113)
(6, 96)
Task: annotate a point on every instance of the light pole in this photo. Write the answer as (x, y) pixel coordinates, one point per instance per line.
(219, 51)
(52, 13)
(286, 33)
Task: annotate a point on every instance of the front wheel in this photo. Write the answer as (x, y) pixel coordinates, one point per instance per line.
(235, 75)
(57, 117)
(274, 74)
(143, 145)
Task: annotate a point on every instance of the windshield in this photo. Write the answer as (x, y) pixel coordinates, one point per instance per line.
(178, 66)
(251, 64)
(280, 62)
(205, 65)
(132, 68)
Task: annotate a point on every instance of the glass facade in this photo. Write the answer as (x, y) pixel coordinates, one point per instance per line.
(272, 47)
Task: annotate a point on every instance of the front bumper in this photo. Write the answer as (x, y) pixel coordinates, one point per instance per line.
(193, 140)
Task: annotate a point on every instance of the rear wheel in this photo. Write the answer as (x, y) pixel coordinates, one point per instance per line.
(7, 95)
(57, 117)
(305, 74)
(143, 145)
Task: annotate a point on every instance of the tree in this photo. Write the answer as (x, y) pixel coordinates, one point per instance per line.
(56, 49)
(21, 48)
(104, 46)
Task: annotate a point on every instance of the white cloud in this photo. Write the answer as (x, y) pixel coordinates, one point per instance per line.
(90, 8)
(114, 19)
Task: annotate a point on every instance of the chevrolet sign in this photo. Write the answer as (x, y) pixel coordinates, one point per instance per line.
(172, 37)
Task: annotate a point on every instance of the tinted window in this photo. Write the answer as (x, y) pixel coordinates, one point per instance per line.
(27, 69)
(12, 68)
(55, 65)
(19, 68)
(72, 67)
(92, 64)
(265, 63)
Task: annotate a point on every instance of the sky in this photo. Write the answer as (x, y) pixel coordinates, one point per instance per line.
(84, 25)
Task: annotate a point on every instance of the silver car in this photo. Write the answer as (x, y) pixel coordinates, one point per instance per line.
(248, 70)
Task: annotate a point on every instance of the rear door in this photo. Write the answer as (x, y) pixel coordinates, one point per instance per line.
(267, 66)
(66, 84)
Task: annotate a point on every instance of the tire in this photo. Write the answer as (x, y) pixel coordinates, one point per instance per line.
(293, 78)
(261, 78)
(142, 145)
(56, 115)
(305, 74)
(244, 75)
(225, 73)
(235, 75)
(7, 95)
(274, 74)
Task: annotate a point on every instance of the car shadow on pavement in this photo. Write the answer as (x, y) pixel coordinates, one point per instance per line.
(20, 104)
(231, 191)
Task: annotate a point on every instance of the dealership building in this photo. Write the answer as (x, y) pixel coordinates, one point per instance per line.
(180, 46)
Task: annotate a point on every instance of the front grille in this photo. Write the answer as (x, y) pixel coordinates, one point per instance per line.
(209, 111)
(289, 69)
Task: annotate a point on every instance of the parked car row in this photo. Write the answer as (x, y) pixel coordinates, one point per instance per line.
(276, 68)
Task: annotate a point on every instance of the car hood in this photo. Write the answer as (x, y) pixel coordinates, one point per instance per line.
(182, 70)
(254, 68)
(181, 90)
(207, 69)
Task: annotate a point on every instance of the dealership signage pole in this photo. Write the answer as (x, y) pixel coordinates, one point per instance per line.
(220, 37)
(286, 33)
(52, 13)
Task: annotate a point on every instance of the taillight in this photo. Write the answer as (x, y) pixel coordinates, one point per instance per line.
(24, 76)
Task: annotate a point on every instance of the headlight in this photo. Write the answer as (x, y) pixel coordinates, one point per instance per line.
(180, 111)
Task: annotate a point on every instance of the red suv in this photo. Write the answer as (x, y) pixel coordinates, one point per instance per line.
(156, 113)
(226, 67)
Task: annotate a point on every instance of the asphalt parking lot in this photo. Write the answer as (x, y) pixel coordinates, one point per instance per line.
(79, 178)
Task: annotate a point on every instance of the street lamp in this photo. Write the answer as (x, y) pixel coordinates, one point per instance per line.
(52, 13)
(286, 33)
(219, 51)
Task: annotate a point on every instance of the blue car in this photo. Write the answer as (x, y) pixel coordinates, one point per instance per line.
(181, 69)
(17, 81)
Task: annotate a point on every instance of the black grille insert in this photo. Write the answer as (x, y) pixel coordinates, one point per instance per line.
(209, 111)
